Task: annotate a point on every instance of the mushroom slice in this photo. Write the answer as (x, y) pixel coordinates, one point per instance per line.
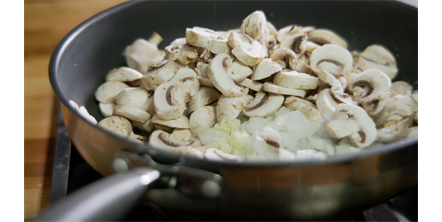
(295, 42)
(202, 69)
(187, 81)
(123, 74)
(336, 87)
(397, 107)
(283, 32)
(414, 95)
(159, 73)
(377, 57)
(295, 80)
(117, 124)
(286, 58)
(401, 87)
(412, 131)
(256, 86)
(188, 150)
(163, 140)
(272, 88)
(184, 53)
(181, 122)
(134, 96)
(272, 30)
(218, 155)
(147, 126)
(237, 71)
(272, 138)
(221, 78)
(354, 122)
(266, 68)
(169, 101)
(303, 64)
(264, 104)
(108, 91)
(334, 59)
(246, 49)
(199, 37)
(219, 45)
(162, 127)
(204, 96)
(132, 113)
(371, 90)
(310, 46)
(106, 109)
(83, 111)
(326, 104)
(307, 108)
(394, 132)
(228, 108)
(324, 36)
(149, 106)
(202, 118)
(255, 26)
(140, 54)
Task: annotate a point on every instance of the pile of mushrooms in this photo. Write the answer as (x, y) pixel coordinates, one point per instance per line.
(211, 76)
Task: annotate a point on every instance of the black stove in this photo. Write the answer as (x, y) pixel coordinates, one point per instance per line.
(71, 172)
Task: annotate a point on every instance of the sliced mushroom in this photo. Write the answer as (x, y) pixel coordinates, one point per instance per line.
(295, 80)
(272, 88)
(325, 36)
(272, 44)
(310, 46)
(219, 45)
(371, 90)
(255, 26)
(401, 87)
(163, 140)
(228, 108)
(159, 73)
(414, 95)
(133, 96)
(117, 124)
(182, 134)
(202, 69)
(354, 122)
(286, 58)
(199, 37)
(140, 54)
(307, 108)
(188, 150)
(272, 30)
(246, 49)
(221, 78)
(334, 59)
(238, 71)
(83, 111)
(295, 42)
(162, 127)
(187, 80)
(265, 68)
(412, 131)
(272, 138)
(394, 132)
(149, 106)
(169, 101)
(264, 104)
(181, 51)
(147, 126)
(108, 91)
(203, 97)
(397, 107)
(377, 57)
(256, 86)
(218, 155)
(132, 113)
(202, 118)
(303, 64)
(106, 109)
(282, 33)
(326, 104)
(181, 122)
(336, 88)
(123, 74)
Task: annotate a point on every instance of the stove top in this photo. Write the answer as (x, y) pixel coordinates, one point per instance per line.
(71, 172)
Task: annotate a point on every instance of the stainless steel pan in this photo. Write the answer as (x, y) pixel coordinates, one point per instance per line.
(205, 189)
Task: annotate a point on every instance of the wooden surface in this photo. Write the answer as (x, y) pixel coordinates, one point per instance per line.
(46, 22)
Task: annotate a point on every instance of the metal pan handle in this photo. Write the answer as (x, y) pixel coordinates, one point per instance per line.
(108, 199)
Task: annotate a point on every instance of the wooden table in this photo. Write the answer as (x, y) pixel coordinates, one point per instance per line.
(46, 22)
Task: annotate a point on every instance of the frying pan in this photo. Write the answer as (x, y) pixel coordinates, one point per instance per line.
(205, 189)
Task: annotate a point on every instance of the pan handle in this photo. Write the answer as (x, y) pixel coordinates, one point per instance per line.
(109, 199)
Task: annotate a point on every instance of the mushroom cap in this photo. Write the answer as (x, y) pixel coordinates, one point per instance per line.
(123, 74)
(218, 74)
(264, 104)
(255, 86)
(286, 58)
(334, 59)
(295, 42)
(272, 88)
(204, 96)
(246, 49)
(108, 91)
(295, 80)
(133, 96)
(218, 155)
(159, 73)
(169, 101)
(132, 113)
(401, 87)
(228, 108)
(354, 122)
(199, 37)
(106, 109)
(325, 36)
(255, 26)
(326, 103)
(373, 83)
(181, 122)
(188, 82)
(377, 57)
(140, 54)
(117, 124)
(202, 119)
(265, 68)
